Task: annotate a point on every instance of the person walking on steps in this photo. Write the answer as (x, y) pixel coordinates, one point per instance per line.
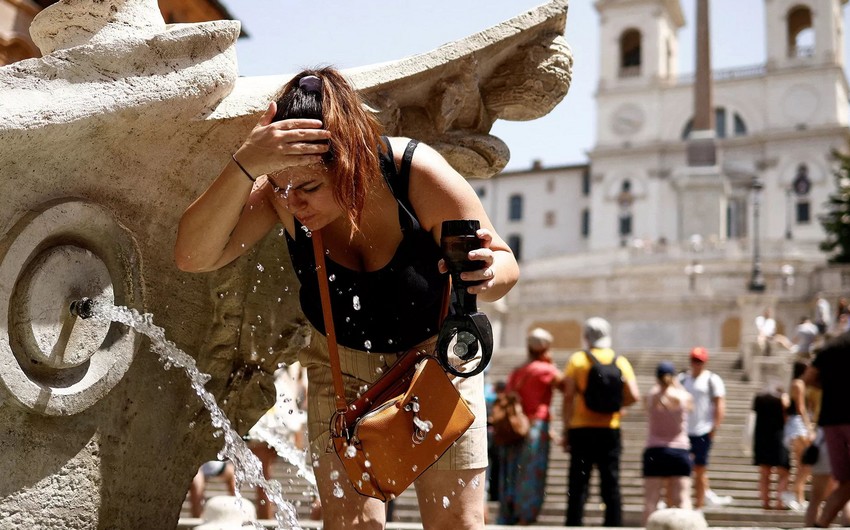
(598, 384)
(709, 395)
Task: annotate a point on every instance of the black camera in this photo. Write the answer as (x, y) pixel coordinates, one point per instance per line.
(467, 326)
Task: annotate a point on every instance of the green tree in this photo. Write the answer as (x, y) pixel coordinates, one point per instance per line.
(836, 222)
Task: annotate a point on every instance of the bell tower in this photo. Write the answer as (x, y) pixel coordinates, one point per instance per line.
(804, 32)
(638, 42)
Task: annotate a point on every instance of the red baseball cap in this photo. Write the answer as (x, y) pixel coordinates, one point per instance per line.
(700, 354)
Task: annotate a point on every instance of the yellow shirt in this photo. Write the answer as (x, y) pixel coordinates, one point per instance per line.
(577, 369)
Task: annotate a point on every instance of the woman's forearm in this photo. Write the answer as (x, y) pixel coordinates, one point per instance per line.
(207, 224)
(506, 274)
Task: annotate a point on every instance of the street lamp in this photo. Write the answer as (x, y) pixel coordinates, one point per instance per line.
(756, 278)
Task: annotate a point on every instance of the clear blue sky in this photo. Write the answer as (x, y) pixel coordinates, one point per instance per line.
(286, 36)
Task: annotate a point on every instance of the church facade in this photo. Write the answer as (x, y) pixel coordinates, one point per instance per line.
(665, 250)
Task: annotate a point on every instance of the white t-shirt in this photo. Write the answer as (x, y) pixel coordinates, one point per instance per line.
(704, 389)
(822, 311)
(805, 337)
(766, 326)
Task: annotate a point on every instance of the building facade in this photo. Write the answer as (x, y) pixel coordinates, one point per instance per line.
(666, 251)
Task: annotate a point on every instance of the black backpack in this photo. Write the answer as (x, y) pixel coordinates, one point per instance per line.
(604, 390)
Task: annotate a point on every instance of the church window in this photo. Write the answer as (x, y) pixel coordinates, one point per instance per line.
(722, 126)
(630, 53)
(515, 242)
(804, 213)
(515, 207)
(625, 199)
(720, 122)
(585, 223)
(801, 34)
(801, 186)
(740, 126)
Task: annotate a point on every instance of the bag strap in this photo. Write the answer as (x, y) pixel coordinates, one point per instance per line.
(325, 294)
(327, 315)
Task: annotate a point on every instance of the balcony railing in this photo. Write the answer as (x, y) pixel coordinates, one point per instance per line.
(630, 71)
(801, 52)
(741, 72)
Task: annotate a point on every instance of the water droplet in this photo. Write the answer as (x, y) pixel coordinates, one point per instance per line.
(356, 301)
(350, 452)
(338, 493)
(365, 477)
(414, 468)
(461, 482)
(260, 267)
(438, 437)
(446, 502)
(475, 482)
(379, 370)
(334, 474)
(367, 463)
(368, 344)
(332, 277)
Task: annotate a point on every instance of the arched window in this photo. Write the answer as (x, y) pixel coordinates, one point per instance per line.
(585, 223)
(722, 126)
(515, 207)
(515, 242)
(801, 33)
(801, 187)
(625, 199)
(740, 126)
(630, 53)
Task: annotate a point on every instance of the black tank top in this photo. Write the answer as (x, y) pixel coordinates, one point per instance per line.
(388, 310)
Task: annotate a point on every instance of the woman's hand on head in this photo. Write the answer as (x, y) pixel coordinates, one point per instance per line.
(275, 145)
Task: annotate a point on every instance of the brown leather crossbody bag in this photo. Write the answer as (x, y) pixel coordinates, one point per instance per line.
(402, 424)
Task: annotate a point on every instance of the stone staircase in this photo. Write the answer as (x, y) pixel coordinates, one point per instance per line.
(730, 470)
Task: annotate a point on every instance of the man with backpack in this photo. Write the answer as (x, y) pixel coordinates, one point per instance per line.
(598, 383)
(709, 396)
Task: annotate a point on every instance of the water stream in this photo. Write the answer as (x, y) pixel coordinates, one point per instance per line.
(248, 469)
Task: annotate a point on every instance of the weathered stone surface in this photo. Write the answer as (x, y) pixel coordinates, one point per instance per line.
(676, 519)
(121, 124)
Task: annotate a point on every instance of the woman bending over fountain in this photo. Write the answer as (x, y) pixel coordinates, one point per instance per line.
(320, 163)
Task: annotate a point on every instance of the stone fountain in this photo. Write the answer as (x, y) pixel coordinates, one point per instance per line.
(105, 140)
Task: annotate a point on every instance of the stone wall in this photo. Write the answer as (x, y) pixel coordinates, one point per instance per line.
(106, 139)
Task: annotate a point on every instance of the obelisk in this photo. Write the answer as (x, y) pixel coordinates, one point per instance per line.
(703, 189)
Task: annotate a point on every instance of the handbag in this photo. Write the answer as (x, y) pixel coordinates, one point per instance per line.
(509, 422)
(402, 424)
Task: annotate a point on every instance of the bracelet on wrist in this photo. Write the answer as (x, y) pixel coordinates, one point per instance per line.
(251, 178)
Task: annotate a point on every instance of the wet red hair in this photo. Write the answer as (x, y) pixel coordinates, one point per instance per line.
(355, 134)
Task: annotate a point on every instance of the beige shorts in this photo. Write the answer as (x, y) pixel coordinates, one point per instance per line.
(360, 369)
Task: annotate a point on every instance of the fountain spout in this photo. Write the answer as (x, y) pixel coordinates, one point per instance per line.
(83, 308)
